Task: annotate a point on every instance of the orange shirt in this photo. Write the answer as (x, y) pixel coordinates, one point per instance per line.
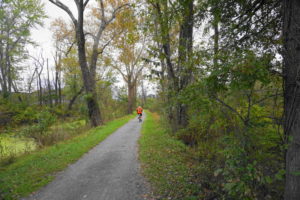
(139, 110)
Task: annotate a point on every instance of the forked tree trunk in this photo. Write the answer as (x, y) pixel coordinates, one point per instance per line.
(291, 71)
(88, 74)
(93, 107)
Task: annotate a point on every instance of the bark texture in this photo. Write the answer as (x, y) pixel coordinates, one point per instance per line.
(131, 97)
(291, 70)
(185, 53)
(88, 77)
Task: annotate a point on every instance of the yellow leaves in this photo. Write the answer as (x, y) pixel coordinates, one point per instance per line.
(115, 3)
(70, 64)
(127, 56)
(61, 30)
(107, 61)
(95, 13)
(109, 6)
(112, 14)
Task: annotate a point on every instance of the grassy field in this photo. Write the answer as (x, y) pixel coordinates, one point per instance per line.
(165, 162)
(30, 172)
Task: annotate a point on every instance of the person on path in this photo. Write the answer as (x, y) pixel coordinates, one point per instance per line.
(139, 111)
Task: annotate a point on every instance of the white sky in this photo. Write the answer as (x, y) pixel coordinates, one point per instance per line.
(43, 35)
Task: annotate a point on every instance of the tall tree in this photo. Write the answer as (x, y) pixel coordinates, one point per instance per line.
(291, 57)
(185, 55)
(39, 63)
(89, 69)
(169, 16)
(130, 46)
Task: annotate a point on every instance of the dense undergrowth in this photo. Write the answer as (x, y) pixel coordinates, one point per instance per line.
(30, 172)
(237, 133)
(217, 167)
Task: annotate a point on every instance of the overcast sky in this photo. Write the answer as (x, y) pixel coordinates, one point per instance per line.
(43, 35)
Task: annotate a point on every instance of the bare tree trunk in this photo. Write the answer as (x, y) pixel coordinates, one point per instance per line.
(185, 53)
(291, 71)
(49, 86)
(131, 97)
(30, 82)
(58, 95)
(37, 88)
(14, 86)
(57, 59)
(59, 88)
(216, 41)
(4, 71)
(56, 87)
(9, 73)
(8, 67)
(93, 107)
(40, 88)
(134, 94)
(72, 101)
(2, 75)
(144, 95)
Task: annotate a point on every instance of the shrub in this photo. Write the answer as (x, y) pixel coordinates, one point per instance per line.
(29, 115)
(38, 131)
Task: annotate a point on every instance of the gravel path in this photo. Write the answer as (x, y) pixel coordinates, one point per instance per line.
(110, 171)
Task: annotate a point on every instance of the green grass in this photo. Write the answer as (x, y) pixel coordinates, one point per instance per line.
(30, 172)
(70, 125)
(165, 162)
(15, 146)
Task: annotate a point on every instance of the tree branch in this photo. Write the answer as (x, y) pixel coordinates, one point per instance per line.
(113, 16)
(140, 53)
(265, 98)
(104, 46)
(102, 10)
(91, 34)
(119, 70)
(85, 3)
(70, 48)
(75, 97)
(66, 9)
(230, 108)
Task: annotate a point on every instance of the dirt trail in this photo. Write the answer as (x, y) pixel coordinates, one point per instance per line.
(110, 171)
